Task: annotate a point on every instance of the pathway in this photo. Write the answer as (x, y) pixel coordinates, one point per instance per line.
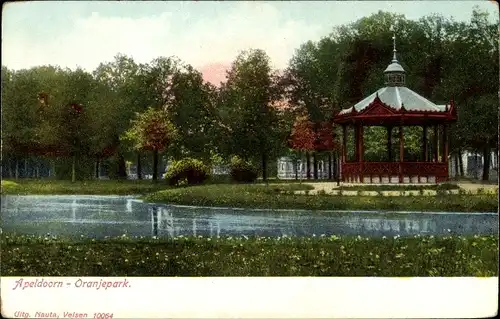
(332, 188)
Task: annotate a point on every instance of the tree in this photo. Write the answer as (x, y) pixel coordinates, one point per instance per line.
(475, 97)
(302, 138)
(121, 95)
(249, 107)
(192, 113)
(151, 131)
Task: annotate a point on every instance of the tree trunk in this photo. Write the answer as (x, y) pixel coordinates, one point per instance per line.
(53, 163)
(302, 161)
(25, 171)
(460, 162)
(315, 165)
(155, 166)
(308, 164)
(264, 167)
(486, 165)
(122, 169)
(330, 165)
(296, 163)
(97, 164)
(73, 172)
(139, 166)
(457, 155)
(10, 169)
(17, 169)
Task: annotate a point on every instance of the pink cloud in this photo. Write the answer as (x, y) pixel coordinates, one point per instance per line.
(214, 73)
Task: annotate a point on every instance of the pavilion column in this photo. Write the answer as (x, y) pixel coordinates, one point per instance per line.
(425, 151)
(344, 143)
(343, 156)
(361, 153)
(435, 142)
(445, 143)
(401, 153)
(389, 143)
(356, 143)
(445, 151)
(361, 143)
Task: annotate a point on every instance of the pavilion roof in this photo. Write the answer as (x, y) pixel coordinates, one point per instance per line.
(396, 97)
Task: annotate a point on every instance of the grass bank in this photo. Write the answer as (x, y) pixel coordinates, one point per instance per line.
(282, 197)
(317, 256)
(97, 187)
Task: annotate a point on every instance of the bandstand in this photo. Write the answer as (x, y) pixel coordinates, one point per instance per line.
(395, 107)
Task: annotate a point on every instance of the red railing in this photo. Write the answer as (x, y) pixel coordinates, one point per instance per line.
(358, 171)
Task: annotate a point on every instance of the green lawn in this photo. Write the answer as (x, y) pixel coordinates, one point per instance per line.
(271, 196)
(280, 196)
(314, 256)
(91, 187)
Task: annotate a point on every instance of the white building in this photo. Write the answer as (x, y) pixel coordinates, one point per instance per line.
(286, 168)
(473, 165)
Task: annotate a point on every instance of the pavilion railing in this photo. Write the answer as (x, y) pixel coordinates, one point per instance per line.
(395, 172)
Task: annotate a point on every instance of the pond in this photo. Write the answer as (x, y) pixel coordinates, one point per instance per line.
(101, 216)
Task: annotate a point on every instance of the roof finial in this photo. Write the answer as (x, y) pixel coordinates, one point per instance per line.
(394, 59)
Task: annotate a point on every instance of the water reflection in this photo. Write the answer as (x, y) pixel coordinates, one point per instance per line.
(100, 216)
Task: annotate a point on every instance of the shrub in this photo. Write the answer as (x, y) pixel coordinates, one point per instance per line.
(242, 171)
(188, 170)
(441, 192)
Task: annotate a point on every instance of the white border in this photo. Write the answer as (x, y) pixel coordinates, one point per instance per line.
(259, 297)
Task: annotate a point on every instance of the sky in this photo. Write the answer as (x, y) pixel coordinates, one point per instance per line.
(208, 35)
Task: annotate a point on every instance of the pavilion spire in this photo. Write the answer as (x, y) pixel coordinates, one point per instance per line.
(394, 58)
(394, 73)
